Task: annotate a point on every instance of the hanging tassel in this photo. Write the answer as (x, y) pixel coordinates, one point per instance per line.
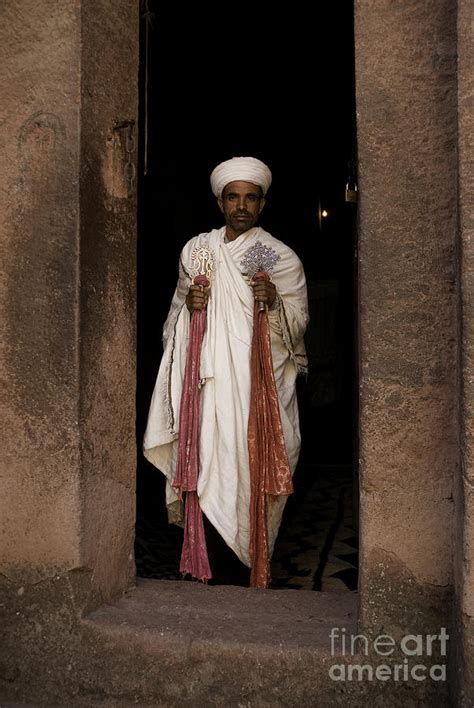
(270, 472)
(194, 558)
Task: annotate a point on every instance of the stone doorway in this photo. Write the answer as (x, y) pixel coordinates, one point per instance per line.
(68, 346)
(201, 110)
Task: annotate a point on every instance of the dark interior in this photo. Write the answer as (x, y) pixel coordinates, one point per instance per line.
(278, 86)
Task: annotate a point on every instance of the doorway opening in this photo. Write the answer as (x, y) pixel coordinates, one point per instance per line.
(214, 86)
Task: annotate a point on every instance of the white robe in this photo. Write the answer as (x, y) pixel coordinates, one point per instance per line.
(224, 481)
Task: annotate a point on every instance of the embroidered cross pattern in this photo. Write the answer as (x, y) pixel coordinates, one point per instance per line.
(259, 258)
(203, 261)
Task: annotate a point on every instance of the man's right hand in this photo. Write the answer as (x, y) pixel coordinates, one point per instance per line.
(197, 298)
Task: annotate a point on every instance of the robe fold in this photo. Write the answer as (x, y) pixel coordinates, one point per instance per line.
(224, 483)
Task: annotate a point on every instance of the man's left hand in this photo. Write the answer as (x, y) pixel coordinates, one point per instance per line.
(264, 291)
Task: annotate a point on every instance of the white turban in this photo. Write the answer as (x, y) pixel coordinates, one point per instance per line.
(240, 169)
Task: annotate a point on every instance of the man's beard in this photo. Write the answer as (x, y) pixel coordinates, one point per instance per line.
(242, 224)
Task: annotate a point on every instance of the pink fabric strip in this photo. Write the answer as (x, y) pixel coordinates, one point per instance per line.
(194, 558)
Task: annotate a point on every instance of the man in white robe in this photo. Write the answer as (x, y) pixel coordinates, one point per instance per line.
(240, 185)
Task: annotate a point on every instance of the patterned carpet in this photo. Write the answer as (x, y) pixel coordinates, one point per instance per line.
(317, 548)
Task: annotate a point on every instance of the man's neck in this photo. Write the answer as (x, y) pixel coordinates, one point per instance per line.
(231, 234)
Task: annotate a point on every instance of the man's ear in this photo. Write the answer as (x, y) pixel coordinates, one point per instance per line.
(221, 205)
(262, 204)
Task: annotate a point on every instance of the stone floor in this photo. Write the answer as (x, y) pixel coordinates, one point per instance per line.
(317, 548)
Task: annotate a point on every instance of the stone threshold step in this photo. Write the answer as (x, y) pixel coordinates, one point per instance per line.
(177, 643)
(166, 611)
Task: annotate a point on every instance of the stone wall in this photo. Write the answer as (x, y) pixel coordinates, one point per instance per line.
(67, 293)
(406, 114)
(40, 112)
(109, 77)
(465, 529)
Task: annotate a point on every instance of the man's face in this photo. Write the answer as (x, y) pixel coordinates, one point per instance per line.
(241, 204)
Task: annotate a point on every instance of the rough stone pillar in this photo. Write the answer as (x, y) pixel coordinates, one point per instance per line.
(67, 233)
(40, 87)
(465, 537)
(406, 112)
(109, 78)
